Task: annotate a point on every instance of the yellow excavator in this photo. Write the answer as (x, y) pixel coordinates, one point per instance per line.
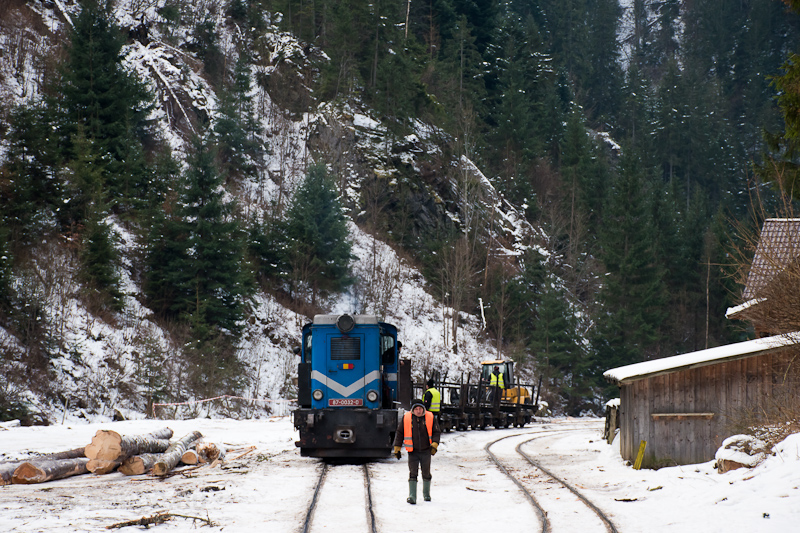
(512, 392)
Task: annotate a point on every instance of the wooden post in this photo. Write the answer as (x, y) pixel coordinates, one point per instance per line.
(638, 464)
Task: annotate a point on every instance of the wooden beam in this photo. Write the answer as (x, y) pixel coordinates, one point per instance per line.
(681, 416)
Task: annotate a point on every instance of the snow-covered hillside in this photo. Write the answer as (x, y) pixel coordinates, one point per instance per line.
(104, 361)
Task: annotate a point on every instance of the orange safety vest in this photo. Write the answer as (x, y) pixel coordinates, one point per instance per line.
(407, 429)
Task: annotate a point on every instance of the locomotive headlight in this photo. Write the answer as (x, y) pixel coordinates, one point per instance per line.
(372, 396)
(317, 394)
(345, 323)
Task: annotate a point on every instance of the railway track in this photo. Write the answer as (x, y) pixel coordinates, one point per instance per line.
(341, 478)
(559, 505)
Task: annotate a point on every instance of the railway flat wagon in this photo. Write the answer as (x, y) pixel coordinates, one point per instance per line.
(350, 380)
(475, 404)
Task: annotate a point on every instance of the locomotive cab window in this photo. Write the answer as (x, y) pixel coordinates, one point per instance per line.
(345, 348)
(307, 346)
(387, 350)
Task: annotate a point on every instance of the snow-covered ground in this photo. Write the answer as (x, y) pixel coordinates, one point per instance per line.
(269, 488)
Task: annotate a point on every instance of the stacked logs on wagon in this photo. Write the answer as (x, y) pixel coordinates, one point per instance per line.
(109, 451)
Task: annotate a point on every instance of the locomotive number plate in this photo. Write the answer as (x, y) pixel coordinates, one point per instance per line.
(345, 402)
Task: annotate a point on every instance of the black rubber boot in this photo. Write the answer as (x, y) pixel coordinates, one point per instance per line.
(412, 491)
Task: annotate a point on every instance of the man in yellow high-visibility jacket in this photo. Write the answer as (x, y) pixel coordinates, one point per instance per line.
(496, 384)
(432, 399)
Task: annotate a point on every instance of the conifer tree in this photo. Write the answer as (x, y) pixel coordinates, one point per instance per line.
(554, 341)
(319, 245)
(98, 256)
(5, 269)
(527, 115)
(235, 129)
(782, 163)
(33, 193)
(196, 263)
(100, 96)
(633, 295)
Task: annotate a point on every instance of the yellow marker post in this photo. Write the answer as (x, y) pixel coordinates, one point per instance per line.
(638, 464)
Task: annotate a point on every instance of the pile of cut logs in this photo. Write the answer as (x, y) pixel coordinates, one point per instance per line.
(109, 451)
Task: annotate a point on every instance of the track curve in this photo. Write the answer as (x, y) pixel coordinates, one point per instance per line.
(552, 505)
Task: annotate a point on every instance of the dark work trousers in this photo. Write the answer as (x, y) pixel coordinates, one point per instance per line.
(418, 459)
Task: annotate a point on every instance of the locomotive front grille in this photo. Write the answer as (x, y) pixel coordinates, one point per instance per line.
(345, 348)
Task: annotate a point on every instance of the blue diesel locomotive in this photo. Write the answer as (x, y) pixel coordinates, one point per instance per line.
(348, 387)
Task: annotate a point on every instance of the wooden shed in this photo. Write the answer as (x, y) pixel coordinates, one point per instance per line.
(685, 406)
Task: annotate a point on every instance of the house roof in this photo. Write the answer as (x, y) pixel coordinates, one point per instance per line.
(778, 245)
(711, 356)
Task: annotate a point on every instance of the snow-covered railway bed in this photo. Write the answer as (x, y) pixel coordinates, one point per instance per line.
(560, 506)
(341, 501)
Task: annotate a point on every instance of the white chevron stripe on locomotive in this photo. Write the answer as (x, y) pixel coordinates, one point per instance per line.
(341, 389)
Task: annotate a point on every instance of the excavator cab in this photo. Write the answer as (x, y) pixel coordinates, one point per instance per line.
(512, 392)
(506, 369)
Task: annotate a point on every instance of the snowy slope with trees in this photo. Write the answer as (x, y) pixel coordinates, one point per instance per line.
(548, 182)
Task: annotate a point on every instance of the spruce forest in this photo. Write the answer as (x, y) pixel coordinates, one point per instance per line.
(568, 177)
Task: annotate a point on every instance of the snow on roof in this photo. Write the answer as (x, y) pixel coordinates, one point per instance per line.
(735, 310)
(701, 358)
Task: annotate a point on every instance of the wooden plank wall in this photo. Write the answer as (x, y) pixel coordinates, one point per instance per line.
(724, 389)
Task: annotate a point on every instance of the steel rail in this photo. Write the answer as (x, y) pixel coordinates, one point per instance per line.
(367, 478)
(315, 498)
(518, 483)
(546, 525)
(313, 505)
(600, 514)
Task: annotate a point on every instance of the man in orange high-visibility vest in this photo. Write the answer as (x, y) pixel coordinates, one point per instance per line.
(419, 433)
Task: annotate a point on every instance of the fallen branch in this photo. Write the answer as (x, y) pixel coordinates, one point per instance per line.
(203, 452)
(174, 453)
(250, 449)
(156, 519)
(209, 452)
